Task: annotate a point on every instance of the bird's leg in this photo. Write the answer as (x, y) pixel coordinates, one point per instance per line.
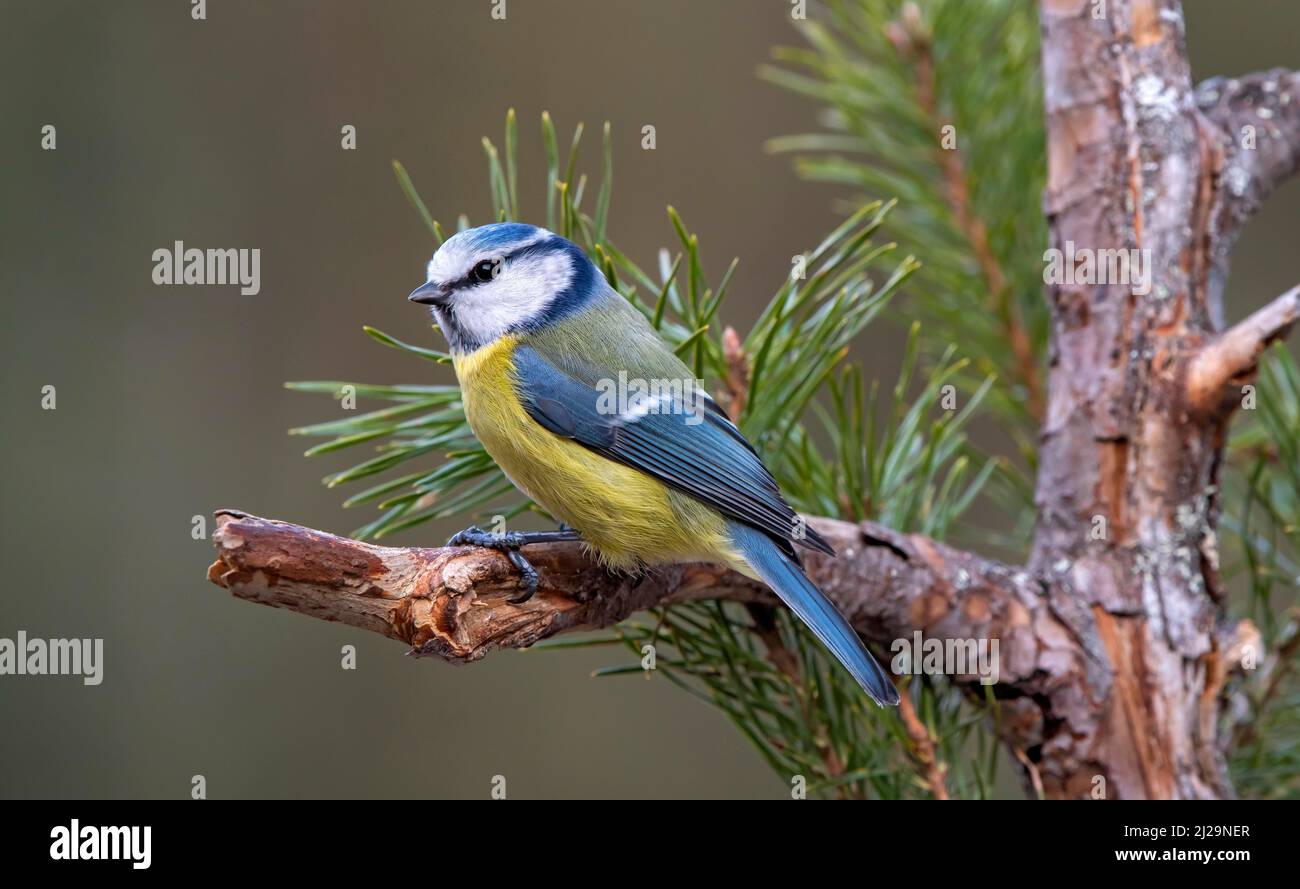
(510, 543)
(476, 536)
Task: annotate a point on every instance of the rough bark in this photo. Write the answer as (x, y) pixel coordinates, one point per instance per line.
(1255, 124)
(450, 602)
(1114, 648)
(1140, 390)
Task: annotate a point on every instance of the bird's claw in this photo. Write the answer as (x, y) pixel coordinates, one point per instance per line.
(507, 543)
(527, 572)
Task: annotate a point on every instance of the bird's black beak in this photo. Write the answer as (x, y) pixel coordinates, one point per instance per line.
(428, 293)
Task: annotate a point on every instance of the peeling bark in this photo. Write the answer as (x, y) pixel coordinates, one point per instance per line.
(1216, 373)
(1254, 122)
(1136, 410)
(451, 602)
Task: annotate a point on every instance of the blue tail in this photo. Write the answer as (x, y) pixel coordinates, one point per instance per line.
(812, 607)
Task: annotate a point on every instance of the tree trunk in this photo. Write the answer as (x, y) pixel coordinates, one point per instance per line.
(1138, 403)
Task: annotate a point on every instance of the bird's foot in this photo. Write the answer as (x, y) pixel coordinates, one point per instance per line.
(509, 543)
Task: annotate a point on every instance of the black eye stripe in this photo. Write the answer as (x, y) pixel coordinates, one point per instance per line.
(471, 279)
(480, 272)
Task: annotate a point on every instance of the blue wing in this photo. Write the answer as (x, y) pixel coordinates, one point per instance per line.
(696, 451)
(701, 453)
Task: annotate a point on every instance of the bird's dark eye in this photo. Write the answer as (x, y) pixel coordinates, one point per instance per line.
(485, 271)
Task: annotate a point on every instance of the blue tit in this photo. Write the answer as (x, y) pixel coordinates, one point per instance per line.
(591, 415)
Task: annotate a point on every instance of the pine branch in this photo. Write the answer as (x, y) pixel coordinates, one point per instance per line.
(784, 660)
(450, 602)
(1258, 117)
(923, 746)
(1234, 354)
(1265, 481)
(895, 81)
(1284, 664)
(910, 38)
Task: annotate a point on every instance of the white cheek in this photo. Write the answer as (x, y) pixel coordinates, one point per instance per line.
(548, 274)
(523, 292)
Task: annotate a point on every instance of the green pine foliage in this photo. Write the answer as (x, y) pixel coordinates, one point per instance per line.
(1263, 490)
(939, 105)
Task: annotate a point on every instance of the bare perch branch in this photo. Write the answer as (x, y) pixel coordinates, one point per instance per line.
(1234, 354)
(448, 602)
(451, 602)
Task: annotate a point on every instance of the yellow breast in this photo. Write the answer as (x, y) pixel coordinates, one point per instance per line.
(627, 516)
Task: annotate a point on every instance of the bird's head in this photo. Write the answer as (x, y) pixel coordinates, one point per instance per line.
(486, 282)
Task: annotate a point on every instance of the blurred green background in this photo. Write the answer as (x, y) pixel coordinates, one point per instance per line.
(225, 133)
